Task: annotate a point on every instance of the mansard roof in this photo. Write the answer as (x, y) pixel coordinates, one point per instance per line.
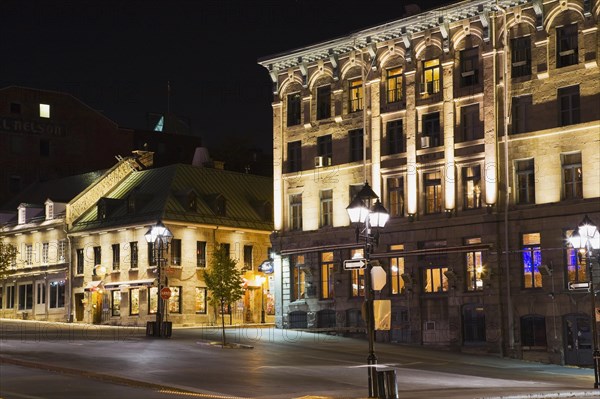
(157, 195)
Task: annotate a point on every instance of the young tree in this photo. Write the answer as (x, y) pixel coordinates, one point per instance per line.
(8, 252)
(224, 280)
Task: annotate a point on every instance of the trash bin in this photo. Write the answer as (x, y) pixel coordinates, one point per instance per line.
(150, 328)
(167, 329)
(386, 384)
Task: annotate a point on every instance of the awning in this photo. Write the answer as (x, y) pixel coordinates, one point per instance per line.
(129, 284)
(92, 286)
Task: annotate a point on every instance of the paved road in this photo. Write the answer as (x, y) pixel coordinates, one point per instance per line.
(279, 364)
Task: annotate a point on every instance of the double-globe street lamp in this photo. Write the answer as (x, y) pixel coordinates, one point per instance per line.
(586, 238)
(368, 218)
(160, 237)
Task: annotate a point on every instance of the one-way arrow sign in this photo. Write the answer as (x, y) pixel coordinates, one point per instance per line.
(352, 264)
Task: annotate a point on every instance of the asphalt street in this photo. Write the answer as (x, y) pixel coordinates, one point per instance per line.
(59, 360)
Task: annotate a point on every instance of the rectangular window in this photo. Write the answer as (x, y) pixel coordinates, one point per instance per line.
(62, 251)
(577, 271)
(10, 297)
(568, 100)
(356, 145)
(566, 46)
(294, 102)
(44, 111)
(432, 181)
(471, 182)
(45, 250)
(116, 256)
(97, 257)
(134, 301)
(200, 300)
(532, 260)
(294, 156)
(326, 208)
(176, 252)
(572, 176)
(355, 95)
(296, 212)
(431, 136)
(521, 56)
(152, 300)
(200, 253)
(325, 148)
(175, 300)
(133, 250)
(57, 294)
(397, 285)
(80, 261)
(248, 257)
(115, 302)
(395, 190)
(327, 278)
(435, 279)
(395, 137)
(471, 126)
(474, 261)
(40, 294)
(152, 258)
(29, 254)
(25, 296)
(469, 67)
(323, 102)
(358, 275)
(431, 77)
(525, 182)
(394, 85)
(226, 247)
(298, 284)
(520, 114)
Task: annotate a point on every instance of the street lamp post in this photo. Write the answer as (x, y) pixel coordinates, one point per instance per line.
(586, 238)
(366, 217)
(160, 236)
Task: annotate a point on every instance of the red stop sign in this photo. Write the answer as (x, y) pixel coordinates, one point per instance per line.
(165, 293)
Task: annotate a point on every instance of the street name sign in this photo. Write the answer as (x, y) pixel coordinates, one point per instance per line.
(353, 264)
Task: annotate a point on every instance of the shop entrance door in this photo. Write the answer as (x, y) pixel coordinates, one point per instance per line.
(578, 340)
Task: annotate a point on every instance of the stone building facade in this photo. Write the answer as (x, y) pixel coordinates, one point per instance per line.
(478, 127)
(86, 259)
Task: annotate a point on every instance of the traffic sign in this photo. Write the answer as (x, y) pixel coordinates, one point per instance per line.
(579, 286)
(353, 264)
(165, 293)
(378, 278)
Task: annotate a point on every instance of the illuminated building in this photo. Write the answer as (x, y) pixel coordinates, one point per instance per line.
(475, 250)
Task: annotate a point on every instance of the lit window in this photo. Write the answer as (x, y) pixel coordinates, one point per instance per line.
(200, 300)
(532, 260)
(355, 95)
(525, 181)
(471, 179)
(327, 278)
(296, 212)
(298, 284)
(134, 301)
(326, 208)
(396, 271)
(175, 300)
(358, 275)
(431, 77)
(576, 265)
(475, 270)
(435, 279)
(115, 302)
(433, 192)
(394, 85)
(44, 111)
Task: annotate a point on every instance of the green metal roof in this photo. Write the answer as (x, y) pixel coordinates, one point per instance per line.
(162, 193)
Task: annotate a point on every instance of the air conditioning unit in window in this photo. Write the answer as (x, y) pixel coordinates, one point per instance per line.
(425, 142)
(321, 161)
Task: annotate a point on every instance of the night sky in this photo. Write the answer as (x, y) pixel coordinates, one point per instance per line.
(117, 57)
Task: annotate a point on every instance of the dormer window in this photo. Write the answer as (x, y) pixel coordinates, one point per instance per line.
(220, 205)
(102, 213)
(192, 202)
(49, 210)
(131, 204)
(22, 215)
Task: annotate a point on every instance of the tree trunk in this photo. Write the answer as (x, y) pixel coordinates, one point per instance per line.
(230, 314)
(223, 321)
